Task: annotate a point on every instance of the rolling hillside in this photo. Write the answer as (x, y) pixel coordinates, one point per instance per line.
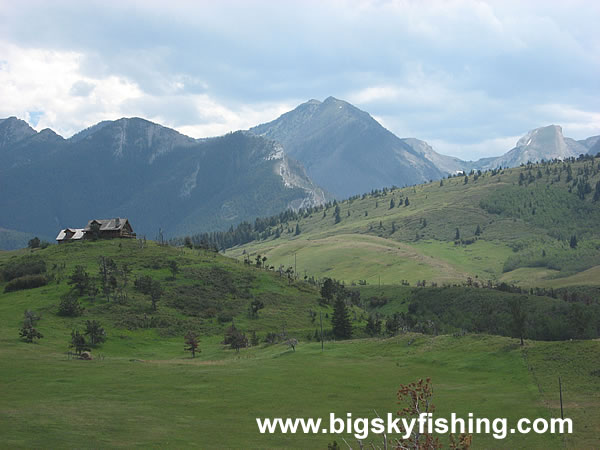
(141, 388)
(513, 225)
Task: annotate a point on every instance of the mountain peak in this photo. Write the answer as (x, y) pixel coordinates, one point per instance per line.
(542, 136)
(13, 130)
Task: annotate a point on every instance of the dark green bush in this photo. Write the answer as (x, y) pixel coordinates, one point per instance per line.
(26, 282)
(25, 266)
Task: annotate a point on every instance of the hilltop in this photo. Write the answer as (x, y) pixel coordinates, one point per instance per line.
(509, 225)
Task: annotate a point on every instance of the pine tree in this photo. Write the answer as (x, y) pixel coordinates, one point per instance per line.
(478, 231)
(457, 235)
(338, 219)
(392, 203)
(342, 328)
(406, 202)
(573, 241)
(297, 230)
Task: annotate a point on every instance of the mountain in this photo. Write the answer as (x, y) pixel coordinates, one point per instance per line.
(153, 175)
(345, 150)
(544, 143)
(593, 145)
(446, 164)
(13, 130)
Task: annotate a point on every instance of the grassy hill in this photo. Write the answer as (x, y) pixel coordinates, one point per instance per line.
(143, 389)
(514, 225)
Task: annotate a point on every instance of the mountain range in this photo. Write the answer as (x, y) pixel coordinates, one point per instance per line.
(162, 179)
(153, 175)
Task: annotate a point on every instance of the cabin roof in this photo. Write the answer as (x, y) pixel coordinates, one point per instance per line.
(115, 224)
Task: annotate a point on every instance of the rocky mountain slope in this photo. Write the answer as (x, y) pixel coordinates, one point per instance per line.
(153, 175)
(345, 150)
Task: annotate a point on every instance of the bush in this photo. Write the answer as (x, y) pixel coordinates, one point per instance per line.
(26, 282)
(26, 266)
(69, 306)
(225, 317)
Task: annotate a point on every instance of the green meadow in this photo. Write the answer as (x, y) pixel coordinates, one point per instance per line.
(142, 390)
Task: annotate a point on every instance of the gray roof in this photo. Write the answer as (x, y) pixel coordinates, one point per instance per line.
(77, 233)
(108, 224)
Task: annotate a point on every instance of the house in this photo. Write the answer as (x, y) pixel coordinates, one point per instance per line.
(109, 228)
(70, 234)
(98, 229)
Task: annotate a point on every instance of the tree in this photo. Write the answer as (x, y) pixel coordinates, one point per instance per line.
(28, 333)
(156, 292)
(297, 232)
(78, 342)
(337, 217)
(328, 289)
(235, 338)
(417, 396)
(94, 330)
(106, 269)
(519, 318)
(342, 327)
(255, 306)
(191, 343)
(34, 243)
(293, 343)
(94, 232)
(392, 203)
(478, 231)
(406, 202)
(373, 327)
(573, 241)
(80, 280)
(174, 268)
(69, 306)
(457, 235)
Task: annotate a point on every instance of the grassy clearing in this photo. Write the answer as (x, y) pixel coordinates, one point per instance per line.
(124, 401)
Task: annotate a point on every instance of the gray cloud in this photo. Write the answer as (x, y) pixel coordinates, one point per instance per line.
(457, 73)
(81, 88)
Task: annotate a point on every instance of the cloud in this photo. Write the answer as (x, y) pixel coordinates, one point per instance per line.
(466, 74)
(81, 88)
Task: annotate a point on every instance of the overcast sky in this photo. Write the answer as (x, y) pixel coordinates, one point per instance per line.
(470, 77)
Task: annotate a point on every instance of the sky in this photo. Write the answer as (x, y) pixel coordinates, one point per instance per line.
(469, 77)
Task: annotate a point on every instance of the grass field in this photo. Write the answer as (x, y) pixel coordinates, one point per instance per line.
(142, 389)
(124, 400)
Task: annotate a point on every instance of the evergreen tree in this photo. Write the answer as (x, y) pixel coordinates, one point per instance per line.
(478, 231)
(457, 235)
(342, 328)
(573, 241)
(94, 330)
(79, 279)
(297, 232)
(406, 202)
(392, 203)
(338, 219)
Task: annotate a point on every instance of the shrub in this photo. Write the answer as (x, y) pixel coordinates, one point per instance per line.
(26, 282)
(225, 317)
(69, 306)
(26, 266)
